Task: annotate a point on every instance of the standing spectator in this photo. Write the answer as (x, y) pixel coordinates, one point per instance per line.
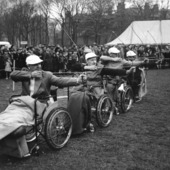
(8, 67)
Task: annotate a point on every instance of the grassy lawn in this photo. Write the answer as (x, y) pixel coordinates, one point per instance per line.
(137, 140)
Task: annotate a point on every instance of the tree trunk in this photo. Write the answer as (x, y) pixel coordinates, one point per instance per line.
(46, 29)
(62, 34)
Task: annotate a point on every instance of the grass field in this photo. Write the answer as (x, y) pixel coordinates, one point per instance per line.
(138, 140)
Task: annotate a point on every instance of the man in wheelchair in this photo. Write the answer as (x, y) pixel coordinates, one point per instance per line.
(80, 103)
(36, 83)
(114, 61)
(137, 79)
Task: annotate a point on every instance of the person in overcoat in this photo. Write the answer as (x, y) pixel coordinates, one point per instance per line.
(35, 83)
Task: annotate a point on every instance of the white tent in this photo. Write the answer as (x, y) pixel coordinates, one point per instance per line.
(145, 32)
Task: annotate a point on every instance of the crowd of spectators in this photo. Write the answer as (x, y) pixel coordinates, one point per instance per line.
(62, 59)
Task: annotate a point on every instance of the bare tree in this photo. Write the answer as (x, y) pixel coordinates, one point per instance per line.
(19, 21)
(146, 10)
(3, 7)
(98, 16)
(164, 7)
(45, 8)
(65, 12)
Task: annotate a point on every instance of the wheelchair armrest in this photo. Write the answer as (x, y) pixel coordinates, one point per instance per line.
(11, 99)
(53, 92)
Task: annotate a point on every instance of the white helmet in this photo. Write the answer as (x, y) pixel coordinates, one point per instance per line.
(90, 55)
(113, 50)
(130, 54)
(33, 59)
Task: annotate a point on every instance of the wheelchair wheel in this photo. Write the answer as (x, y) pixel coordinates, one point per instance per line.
(58, 128)
(126, 99)
(104, 112)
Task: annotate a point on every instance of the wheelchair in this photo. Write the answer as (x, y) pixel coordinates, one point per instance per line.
(102, 108)
(55, 126)
(124, 95)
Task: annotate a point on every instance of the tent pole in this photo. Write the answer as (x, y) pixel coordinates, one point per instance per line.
(152, 37)
(137, 35)
(117, 37)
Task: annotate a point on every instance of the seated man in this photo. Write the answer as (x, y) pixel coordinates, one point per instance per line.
(137, 78)
(113, 61)
(35, 83)
(79, 105)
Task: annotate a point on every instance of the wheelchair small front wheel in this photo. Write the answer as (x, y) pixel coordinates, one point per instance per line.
(126, 99)
(31, 132)
(104, 112)
(58, 128)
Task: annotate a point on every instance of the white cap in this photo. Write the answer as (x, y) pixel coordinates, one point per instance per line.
(33, 59)
(130, 54)
(90, 55)
(113, 50)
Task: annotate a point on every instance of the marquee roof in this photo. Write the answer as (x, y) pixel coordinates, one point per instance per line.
(145, 32)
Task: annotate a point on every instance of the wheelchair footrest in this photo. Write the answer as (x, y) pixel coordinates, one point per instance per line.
(35, 150)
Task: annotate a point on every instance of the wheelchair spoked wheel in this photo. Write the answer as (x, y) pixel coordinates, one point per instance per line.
(104, 112)
(126, 99)
(58, 128)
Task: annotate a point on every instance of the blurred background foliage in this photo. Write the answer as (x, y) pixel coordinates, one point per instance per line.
(68, 22)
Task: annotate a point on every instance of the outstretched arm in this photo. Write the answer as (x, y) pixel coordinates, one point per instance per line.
(136, 62)
(25, 75)
(92, 68)
(119, 72)
(78, 67)
(20, 75)
(107, 58)
(65, 81)
(113, 72)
